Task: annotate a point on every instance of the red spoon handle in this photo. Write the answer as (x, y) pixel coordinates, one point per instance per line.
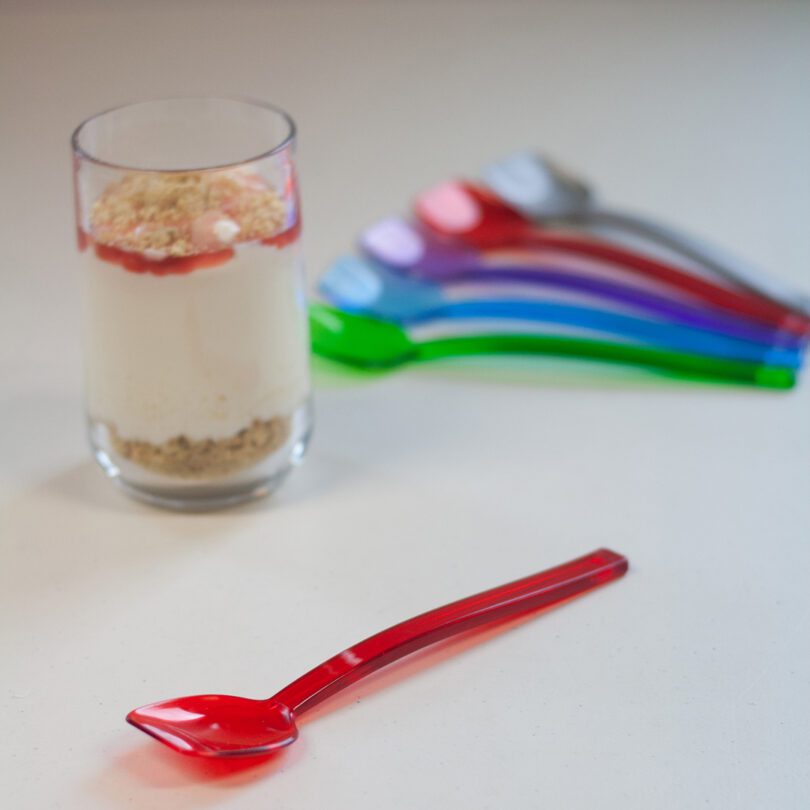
(476, 216)
(729, 300)
(523, 595)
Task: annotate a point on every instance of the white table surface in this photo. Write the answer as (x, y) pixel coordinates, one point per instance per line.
(685, 685)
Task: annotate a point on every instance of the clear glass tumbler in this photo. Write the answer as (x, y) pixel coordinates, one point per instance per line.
(196, 338)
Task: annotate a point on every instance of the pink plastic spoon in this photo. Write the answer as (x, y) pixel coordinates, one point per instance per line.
(227, 726)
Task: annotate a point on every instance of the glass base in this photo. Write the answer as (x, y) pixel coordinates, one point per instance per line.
(169, 492)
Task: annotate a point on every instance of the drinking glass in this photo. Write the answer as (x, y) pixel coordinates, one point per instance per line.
(195, 325)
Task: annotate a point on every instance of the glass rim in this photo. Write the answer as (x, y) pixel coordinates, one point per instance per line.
(283, 144)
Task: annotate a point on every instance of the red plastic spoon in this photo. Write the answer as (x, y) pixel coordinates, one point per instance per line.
(227, 726)
(475, 215)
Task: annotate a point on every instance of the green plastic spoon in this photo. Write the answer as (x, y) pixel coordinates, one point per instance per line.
(371, 343)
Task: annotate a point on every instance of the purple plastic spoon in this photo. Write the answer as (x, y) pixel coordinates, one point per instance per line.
(410, 249)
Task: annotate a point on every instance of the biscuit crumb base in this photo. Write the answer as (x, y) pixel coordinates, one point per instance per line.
(203, 459)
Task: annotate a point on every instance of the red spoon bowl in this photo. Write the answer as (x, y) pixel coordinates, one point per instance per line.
(218, 725)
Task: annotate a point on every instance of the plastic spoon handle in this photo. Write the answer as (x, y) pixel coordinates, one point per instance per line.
(680, 311)
(523, 595)
(682, 363)
(730, 300)
(710, 256)
(667, 335)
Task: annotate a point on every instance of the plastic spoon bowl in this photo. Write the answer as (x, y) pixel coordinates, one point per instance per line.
(229, 726)
(543, 191)
(476, 216)
(366, 342)
(411, 249)
(361, 287)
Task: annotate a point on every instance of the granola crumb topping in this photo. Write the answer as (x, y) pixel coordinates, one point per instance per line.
(183, 214)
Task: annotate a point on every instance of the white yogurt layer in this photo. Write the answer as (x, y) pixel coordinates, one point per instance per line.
(201, 354)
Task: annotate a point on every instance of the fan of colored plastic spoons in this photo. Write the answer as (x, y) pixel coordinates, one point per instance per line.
(472, 258)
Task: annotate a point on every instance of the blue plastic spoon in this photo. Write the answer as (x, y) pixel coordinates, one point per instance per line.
(361, 287)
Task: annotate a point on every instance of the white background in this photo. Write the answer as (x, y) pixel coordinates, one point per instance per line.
(685, 685)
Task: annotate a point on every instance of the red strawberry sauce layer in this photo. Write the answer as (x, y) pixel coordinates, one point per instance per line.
(176, 265)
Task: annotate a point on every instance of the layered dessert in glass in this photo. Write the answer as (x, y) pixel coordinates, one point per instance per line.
(196, 342)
